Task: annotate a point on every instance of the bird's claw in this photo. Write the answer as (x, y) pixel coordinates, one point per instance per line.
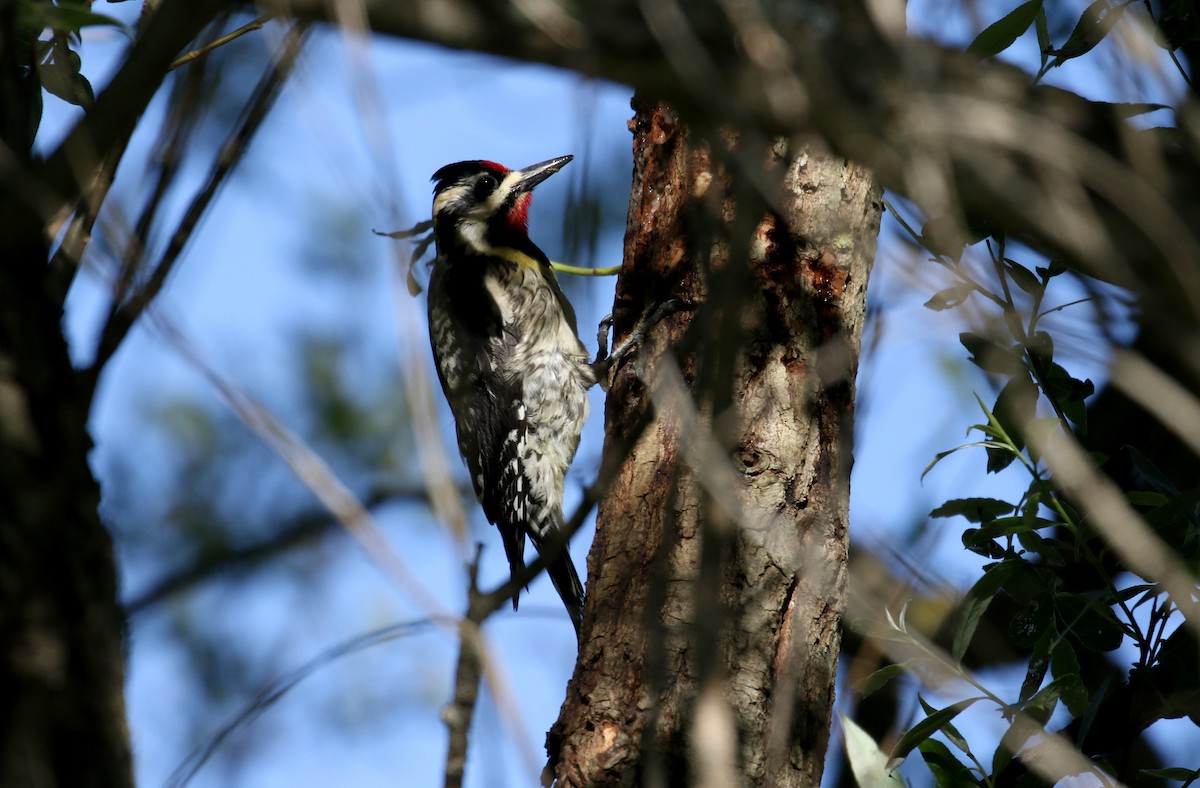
(605, 360)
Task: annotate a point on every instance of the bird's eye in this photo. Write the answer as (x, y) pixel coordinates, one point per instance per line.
(484, 187)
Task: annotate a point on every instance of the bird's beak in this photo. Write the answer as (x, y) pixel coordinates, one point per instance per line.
(536, 173)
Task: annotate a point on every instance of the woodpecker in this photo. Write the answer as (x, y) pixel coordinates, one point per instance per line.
(508, 356)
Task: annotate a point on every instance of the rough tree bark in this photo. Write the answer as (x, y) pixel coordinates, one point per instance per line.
(62, 708)
(692, 588)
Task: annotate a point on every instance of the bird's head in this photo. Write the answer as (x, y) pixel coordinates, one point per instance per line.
(483, 205)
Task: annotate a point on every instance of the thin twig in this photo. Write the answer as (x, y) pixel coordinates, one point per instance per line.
(468, 672)
(312, 470)
(173, 141)
(65, 262)
(302, 530)
(575, 270)
(122, 316)
(271, 693)
(222, 41)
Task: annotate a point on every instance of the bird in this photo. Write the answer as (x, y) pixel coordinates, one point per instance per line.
(509, 359)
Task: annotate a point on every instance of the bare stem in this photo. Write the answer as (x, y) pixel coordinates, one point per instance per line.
(225, 39)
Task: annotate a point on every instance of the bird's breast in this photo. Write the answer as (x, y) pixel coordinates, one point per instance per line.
(541, 351)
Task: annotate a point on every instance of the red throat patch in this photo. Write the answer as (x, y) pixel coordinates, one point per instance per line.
(518, 215)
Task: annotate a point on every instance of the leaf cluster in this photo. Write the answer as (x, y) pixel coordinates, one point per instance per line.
(49, 32)
(1177, 25)
(1075, 603)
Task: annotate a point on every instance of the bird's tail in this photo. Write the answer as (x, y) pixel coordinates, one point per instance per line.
(563, 575)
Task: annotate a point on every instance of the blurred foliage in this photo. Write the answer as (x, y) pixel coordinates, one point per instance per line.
(48, 34)
(1071, 608)
(1104, 651)
(1052, 591)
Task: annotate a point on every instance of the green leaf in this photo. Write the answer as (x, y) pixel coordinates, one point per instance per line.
(1089, 716)
(950, 297)
(948, 771)
(944, 236)
(882, 676)
(1064, 664)
(999, 35)
(1003, 754)
(999, 458)
(1129, 593)
(983, 546)
(929, 726)
(1063, 660)
(1093, 624)
(1022, 276)
(1070, 394)
(976, 603)
(1050, 271)
(1041, 706)
(1182, 506)
(1016, 405)
(1055, 552)
(70, 86)
(69, 15)
(1093, 25)
(1041, 345)
(1031, 540)
(1178, 24)
(867, 761)
(1040, 432)
(941, 455)
(1150, 472)
(1031, 622)
(977, 510)
(1008, 526)
(1039, 664)
(990, 357)
(949, 731)
(1142, 498)
(1172, 773)
(1067, 388)
(1043, 36)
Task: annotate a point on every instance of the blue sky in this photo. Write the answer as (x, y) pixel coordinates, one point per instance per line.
(241, 293)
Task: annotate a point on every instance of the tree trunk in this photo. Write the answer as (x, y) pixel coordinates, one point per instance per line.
(62, 712)
(717, 577)
(62, 709)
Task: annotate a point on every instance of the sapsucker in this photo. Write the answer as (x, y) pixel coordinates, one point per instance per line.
(508, 356)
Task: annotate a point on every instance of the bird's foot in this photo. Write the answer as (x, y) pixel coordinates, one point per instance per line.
(605, 360)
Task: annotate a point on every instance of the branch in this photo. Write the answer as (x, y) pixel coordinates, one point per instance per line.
(257, 24)
(974, 141)
(122, 316)
(468, 672)
(275, 690)
(301, 530)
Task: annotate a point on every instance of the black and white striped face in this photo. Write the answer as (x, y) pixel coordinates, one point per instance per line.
(480, 204)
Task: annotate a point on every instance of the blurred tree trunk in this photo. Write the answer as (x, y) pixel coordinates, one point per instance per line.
(62, 712)
(717, 577)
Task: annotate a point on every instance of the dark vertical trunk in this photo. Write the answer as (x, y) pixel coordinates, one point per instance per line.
(717, 577)
(62, 711)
